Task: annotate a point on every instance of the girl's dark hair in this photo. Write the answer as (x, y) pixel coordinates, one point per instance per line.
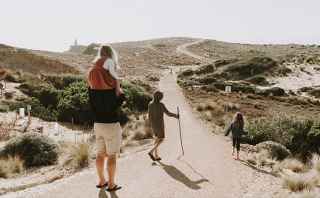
(238, 120)
(157, 96)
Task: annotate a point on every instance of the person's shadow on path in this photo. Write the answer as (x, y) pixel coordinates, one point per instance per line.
(181, 177)
(103, 194)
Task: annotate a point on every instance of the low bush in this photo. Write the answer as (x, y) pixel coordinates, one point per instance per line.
(137, 99)
(206, 69)
(46, 94)
(249, 67)
(11, 77)
(4, 108)
(33, 149)
(301, 137)
(80, 156)
(186, 73)
(10, 166)
(37, 109)
(299, 183)
(258, 80)
(74, 104)
(294, 165)
(92, 49)
(274, 150)
(62, 81)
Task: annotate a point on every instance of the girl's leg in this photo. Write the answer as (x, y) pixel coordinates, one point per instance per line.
(233, 145)
(238, 147)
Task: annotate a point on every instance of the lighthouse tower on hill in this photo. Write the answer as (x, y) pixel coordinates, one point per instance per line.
(76, 48)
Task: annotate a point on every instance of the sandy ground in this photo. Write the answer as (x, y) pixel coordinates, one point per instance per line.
(302, 76)
(206, 170)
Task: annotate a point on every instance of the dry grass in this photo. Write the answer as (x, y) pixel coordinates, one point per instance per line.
(304, 194)
(229, 106)
(79, 157)
(10, 167)
(212, 111)
(138, 129)
(299, 183)
(293, 165)
(316, 162)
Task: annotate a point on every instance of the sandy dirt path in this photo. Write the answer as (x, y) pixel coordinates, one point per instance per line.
(183, 50)
(207, 169)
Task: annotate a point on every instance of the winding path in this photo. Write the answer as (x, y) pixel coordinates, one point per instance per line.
(183, 49)
(206, 171)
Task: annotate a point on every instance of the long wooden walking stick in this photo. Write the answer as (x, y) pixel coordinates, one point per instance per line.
(179, 122)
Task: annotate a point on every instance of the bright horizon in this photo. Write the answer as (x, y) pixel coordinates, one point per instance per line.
(54, 25)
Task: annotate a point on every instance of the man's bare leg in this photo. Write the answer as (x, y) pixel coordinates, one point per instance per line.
(100, 168)
(112, 165)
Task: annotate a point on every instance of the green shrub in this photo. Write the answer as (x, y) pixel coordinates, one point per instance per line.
(37, 109)
(46, 94)
(62, 81)
(301, 137)
(137, 98)
(10, 77)
(33, 149)
(186, 73)
(92, 49)
(273, 150)
(4, 108)
(74, 104)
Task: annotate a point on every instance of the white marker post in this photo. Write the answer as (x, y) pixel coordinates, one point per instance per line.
(29, 111)
(228, 89)
(21, 112)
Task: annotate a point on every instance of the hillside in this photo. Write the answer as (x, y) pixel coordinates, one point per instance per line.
(291, 52)
(22, 60)
(137, 59)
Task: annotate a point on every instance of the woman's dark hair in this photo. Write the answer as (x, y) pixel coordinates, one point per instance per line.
(238, 120)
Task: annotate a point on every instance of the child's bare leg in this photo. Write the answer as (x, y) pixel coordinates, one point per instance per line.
(159, 141)
(154, 147)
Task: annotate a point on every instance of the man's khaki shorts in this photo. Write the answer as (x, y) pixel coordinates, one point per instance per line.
(108, 138)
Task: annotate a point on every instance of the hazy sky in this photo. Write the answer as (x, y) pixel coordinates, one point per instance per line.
(54, 24)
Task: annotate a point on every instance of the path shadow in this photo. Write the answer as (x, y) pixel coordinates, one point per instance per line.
(176, 174)
(256, 168)
(103, 194)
